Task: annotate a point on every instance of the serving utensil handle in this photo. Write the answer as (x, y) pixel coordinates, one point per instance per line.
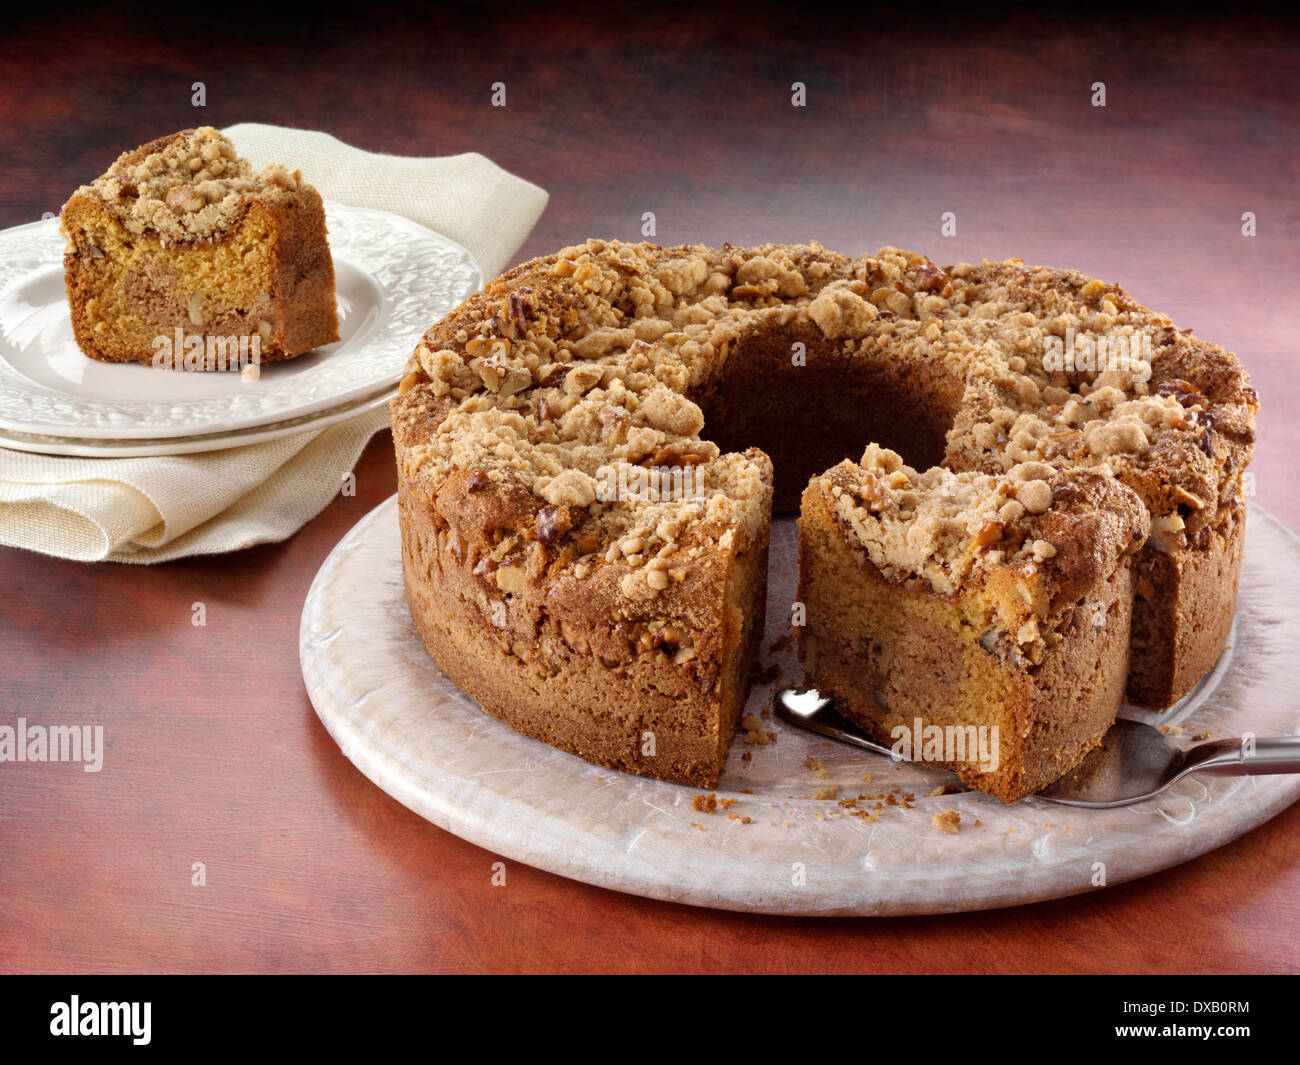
(1247, 756)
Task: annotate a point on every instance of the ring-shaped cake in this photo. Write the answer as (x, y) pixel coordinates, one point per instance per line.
(1048, 516)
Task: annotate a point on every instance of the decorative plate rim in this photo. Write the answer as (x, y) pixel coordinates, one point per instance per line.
(76, 447)
(421, 274)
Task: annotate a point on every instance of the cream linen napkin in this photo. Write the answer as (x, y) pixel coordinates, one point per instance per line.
(155, 509)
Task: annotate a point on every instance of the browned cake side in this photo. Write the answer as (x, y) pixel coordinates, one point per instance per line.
(180, 235)
(626, 642)
(570, 668)
(808, 355)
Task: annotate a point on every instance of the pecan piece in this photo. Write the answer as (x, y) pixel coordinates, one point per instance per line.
(553, 374)
(1181, 391)
(667, 639)
(1057, 444)
(518, 310)
(930, 278)
(613, 424)
(552, 523)
(184, 198)
(990, 534)
(510, 579)
(1204, 439)
(1001, 647)
(503, 327)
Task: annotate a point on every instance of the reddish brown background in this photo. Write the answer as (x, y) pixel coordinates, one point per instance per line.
(214, 753)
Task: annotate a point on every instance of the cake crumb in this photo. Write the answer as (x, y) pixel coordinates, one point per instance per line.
(706, 804)
(946, 821)
(816, 767)
(727, 804)
(737, 817)
(754, 735)
(866, 778)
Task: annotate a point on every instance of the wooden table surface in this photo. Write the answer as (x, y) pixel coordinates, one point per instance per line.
(214, 753)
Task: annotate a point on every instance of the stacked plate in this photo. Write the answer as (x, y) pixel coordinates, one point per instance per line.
(393, 279)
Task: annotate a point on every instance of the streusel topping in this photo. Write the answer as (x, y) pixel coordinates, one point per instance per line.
(190, 185)
(941, 526)
(610, 470)
(1059, 371)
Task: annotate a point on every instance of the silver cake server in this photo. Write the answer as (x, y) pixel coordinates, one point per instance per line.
(1133, 762)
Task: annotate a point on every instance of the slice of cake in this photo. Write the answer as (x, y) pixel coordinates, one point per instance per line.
(181, 257)
(976, 622)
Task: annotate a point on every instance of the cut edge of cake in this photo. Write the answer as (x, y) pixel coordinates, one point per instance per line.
(988, 614)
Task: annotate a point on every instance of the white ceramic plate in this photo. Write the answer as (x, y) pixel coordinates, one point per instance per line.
(393, 279)
(427, 744)
(190, 445)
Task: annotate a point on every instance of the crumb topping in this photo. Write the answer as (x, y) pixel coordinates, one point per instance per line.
(191, 185)
(587, 361)
(940, 525)
(612, 479)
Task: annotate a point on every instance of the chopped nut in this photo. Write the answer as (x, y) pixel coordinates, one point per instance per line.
(184, 198)
(510, 579)
(1093, 290)
(930, 278)
(990, 533)
(552, 523)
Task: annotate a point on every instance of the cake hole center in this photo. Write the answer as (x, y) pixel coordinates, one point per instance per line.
(810, 417)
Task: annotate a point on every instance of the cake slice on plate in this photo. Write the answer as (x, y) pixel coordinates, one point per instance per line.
(979, 621)
(181, 257)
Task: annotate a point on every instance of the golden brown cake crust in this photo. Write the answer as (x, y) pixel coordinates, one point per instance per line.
(609, 355)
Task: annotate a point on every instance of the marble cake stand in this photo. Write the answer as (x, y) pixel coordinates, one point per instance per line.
(785, 843)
